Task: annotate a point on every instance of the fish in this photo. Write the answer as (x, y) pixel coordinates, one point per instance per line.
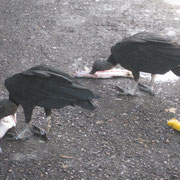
(116, 72)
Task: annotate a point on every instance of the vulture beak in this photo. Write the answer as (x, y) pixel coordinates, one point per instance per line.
(92, 71)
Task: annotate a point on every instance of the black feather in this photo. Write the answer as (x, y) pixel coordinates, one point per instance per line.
(147, 52)
(47, 87)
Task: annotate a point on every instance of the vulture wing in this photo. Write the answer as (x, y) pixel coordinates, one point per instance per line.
(46, 87)
(148, 53)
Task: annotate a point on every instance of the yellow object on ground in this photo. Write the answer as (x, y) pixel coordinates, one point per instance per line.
(174, 123)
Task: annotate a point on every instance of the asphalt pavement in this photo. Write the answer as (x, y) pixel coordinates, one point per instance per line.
(125, 137)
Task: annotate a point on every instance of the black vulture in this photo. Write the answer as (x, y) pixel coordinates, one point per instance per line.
(143, 52)
(46, 87)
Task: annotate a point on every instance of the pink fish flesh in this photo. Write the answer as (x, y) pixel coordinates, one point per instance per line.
(105, 74)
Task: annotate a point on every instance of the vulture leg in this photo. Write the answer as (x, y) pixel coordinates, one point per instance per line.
(148, 89)
(41, 132)
(132, 90)
(48, 119)
(27, 113)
